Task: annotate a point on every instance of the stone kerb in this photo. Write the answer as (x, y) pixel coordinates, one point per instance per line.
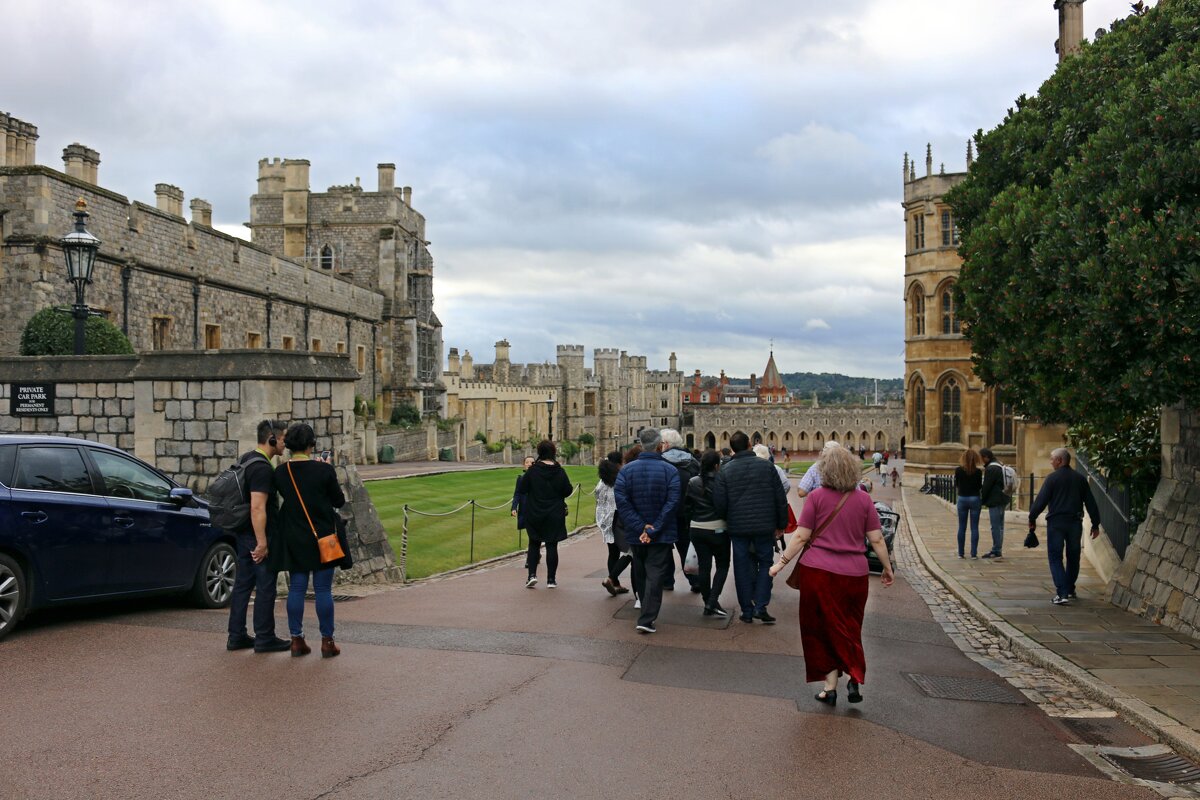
(191, 414)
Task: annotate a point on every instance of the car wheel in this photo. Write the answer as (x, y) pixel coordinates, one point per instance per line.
(13, 596)
(214, 581)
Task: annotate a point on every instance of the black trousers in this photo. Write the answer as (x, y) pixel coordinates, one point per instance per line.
(617, 562)
(711, 546)
(653, 562)
(533, 557)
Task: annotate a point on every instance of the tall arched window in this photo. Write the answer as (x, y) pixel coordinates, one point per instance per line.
(951, 411)
(918, 392)
(326, 257)
(949, 313)
(1002, 420)
(917, 304)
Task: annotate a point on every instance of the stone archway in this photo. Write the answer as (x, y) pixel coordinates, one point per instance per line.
(756, 438)
(710, 441)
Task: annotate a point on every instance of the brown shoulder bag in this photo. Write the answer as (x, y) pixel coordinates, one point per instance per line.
(328, 545)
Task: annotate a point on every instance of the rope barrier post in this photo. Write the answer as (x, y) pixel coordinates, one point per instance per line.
(472, 558)
(404, 545)
(578, 496)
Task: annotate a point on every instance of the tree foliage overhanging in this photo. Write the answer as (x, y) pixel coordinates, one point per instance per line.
(1080, 287)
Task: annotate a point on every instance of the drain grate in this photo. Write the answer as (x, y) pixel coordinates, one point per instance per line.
(949, 688)
(1165, 768)
(337, 598)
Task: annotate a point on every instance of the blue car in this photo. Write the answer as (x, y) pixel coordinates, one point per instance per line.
(82, 521)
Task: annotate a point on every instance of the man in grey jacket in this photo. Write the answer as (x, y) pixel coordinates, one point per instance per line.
(747, 493)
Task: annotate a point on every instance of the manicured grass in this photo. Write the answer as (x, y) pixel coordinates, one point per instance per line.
(436, 544)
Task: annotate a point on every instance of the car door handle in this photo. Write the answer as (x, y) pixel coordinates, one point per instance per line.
(124, 522)
(35, 516)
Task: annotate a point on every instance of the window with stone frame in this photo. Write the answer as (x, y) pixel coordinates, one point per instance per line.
(212, 337)
(1003, 431)
(951, 396)
(254, 339)
(918, 230)
(918, 391)
(289, 343)
(950, 323)
(917, 306)
(315, 346)
(326, 257)
(361, 358)
(160, 333)
(340, 347)
(379, 359)
(949, 229)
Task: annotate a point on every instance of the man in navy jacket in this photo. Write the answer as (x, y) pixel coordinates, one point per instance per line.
(1063, 496)
(647, 493)
(748, 495)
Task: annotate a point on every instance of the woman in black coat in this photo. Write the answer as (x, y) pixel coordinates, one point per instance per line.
(299, 525)
(545, 487)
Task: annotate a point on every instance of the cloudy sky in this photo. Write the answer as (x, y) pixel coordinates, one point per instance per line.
(654, 175)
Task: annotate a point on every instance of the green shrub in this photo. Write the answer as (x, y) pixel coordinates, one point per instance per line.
(51, 332)
(587, 439)
(495, 447)
(405, 414)
(480, 436)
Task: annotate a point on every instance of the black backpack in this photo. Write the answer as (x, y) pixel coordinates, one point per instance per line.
(229, 500)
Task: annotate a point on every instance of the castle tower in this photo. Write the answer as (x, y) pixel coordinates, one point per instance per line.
(1070, 27)
(771, 389)
(568, 421)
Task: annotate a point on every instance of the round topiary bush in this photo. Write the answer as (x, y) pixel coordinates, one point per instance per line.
(51, 332)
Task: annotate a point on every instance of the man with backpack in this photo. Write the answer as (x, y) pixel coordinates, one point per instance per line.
(995, 495)
(254, 571)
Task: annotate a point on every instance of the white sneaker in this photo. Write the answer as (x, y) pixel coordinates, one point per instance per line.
(637, 603)
(532, 582)
(551, 585)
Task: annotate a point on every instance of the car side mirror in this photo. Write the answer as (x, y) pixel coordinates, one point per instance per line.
(181, 495)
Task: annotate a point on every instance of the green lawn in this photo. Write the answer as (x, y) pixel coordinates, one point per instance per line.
(436, 544)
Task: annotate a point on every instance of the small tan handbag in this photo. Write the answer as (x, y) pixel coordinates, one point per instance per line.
(328, 545)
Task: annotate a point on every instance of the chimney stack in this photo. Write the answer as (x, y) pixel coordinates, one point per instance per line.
(1070, 28)
(406, 193)
(169, 199)
(201, 212)
(387, 177)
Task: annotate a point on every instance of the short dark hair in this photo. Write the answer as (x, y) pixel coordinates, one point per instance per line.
(739, 442)
(615, 457)
(269, 427)
(725, 451)
(299, 437)
(986, 453)
(608, 472)
(546, 450)
(709, 461)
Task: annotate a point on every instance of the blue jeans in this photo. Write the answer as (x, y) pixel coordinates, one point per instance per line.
(259, 579)
(969, 507)
(323, 589)
(1059, 536)
(752, 556)
(996, 517)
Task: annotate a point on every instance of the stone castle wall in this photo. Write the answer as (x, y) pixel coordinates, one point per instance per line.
(192, 414)
(798, 428)
(1160, 575)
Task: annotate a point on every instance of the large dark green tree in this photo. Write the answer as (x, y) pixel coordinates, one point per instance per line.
(1080, 220)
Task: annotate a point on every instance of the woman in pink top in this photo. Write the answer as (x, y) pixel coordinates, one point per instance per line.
(833, 575)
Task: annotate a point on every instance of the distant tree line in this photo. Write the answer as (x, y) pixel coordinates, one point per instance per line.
(835, 389)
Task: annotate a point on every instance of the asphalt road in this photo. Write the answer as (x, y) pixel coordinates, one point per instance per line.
(473, 686)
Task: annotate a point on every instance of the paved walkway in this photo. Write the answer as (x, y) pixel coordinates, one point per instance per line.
(1148, 673)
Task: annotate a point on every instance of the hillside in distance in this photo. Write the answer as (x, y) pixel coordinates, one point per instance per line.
(836, 389)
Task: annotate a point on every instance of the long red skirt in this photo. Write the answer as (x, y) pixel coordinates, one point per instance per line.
(831, 616)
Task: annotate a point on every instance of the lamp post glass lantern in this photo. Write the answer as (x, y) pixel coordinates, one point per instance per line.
(79, 249)
(550, 417)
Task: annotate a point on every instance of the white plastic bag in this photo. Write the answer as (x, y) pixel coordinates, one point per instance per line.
(691, 564)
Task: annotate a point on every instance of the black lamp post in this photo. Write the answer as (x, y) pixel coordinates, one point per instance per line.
(79, 248)
(550, 417)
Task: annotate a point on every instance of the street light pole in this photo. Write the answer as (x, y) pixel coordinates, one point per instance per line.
(550, 417)
(79, 249)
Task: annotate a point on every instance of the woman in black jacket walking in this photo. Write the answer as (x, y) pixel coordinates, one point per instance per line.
(708, 534)
(545, 487)
(309, 491)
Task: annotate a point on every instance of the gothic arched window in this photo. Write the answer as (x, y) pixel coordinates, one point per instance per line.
(918, 311)
(918, 392)
(950, 322)
(951, 411)
(326, 257)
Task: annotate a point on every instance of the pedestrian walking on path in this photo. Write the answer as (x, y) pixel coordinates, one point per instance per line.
(834, 576)
(1063, 496)
(545, 488)
(748, 495)
(708, 534)
(606, 514)
(992, 495)
(647, 492)
(968, 480)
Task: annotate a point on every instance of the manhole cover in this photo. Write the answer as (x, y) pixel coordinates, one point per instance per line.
(1166, 768)
(949, 688)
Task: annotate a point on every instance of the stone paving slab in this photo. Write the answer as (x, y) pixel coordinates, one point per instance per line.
(1149, 674)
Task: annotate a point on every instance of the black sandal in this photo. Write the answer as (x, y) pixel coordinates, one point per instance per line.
(826, 696)
(852, 691)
